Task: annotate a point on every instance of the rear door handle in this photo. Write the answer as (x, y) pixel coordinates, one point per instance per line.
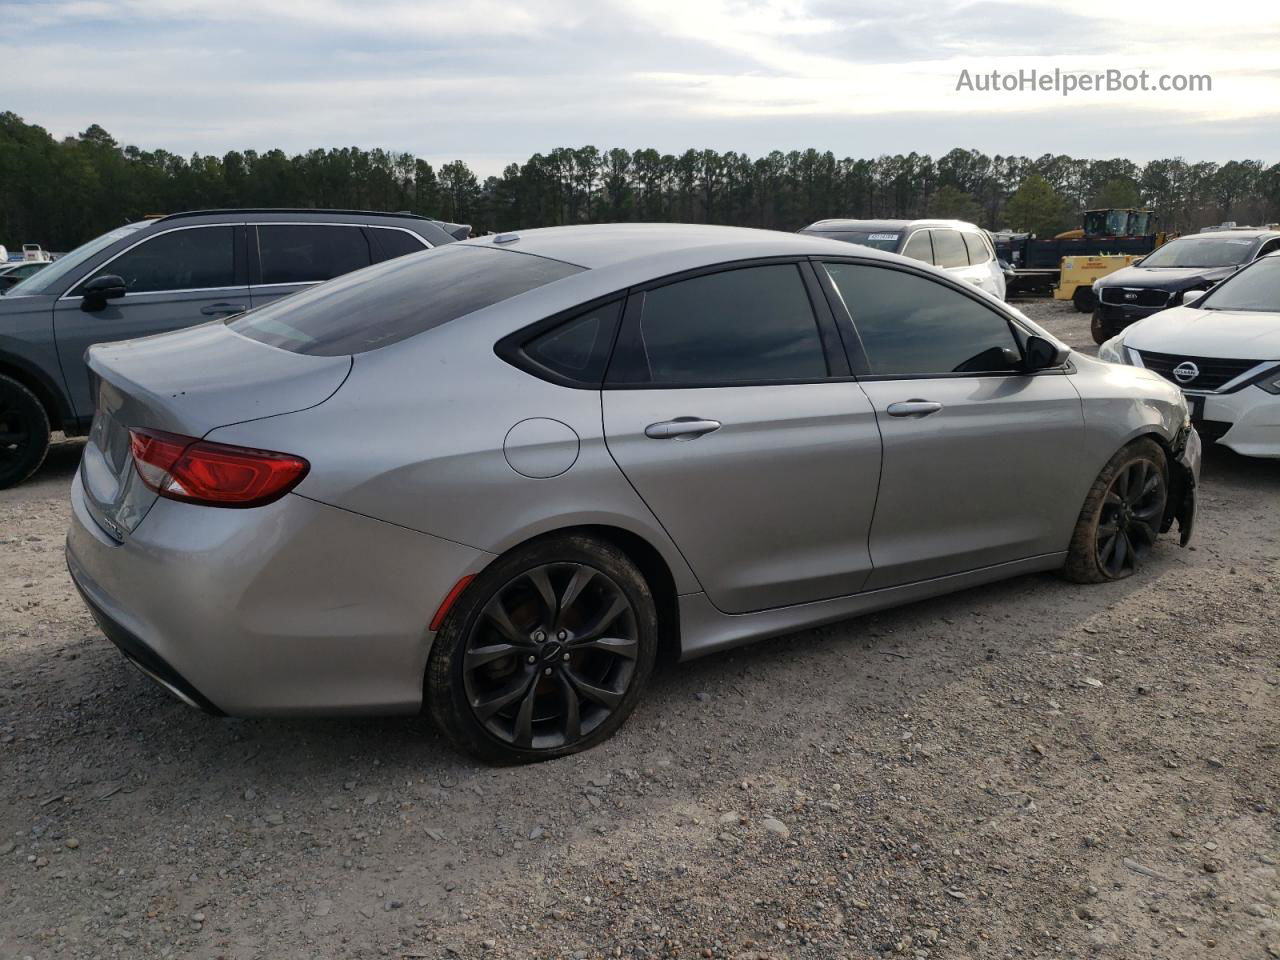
(681, 428)
(222, 309)
(913, 408)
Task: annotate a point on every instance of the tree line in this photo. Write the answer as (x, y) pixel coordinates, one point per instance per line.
(60, 193)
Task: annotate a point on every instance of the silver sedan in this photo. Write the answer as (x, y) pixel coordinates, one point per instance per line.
(500, 478)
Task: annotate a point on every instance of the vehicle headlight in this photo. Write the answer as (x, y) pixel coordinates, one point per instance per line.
(1113, 350)
(1271, 382)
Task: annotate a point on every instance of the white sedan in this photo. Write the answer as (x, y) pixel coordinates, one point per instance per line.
(1223, 350)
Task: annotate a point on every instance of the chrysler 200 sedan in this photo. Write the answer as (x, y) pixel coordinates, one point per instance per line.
(498, 478)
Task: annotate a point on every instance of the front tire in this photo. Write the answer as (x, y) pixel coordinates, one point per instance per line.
(1101, 329)
(1083, 299)
(546, 653)
(24, 432)
(1121, 516)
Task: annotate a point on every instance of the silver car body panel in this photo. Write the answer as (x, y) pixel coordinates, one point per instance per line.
(433, 456)
(292, 607)
(771, 508)
(951, 479)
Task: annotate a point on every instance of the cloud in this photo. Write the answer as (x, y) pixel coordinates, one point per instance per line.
(499, 80)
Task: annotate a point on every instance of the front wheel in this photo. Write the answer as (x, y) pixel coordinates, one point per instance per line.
(24, 432)
(1101, 330)
(1083, 299)
(1122, 515)
(546, 653)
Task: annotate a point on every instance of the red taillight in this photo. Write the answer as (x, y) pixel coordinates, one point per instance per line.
(214, 474)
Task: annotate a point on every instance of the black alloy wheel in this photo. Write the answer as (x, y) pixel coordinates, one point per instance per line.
(551, 656)
(546, 652)
(24, 432)
(1132, 511)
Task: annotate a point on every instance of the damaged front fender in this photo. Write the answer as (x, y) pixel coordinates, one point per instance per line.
(1184, 480)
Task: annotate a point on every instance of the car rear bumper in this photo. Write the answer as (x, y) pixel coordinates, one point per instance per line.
(295, 607)
(1246, 420)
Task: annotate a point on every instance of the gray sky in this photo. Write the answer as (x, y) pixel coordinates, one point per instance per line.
(493, 82)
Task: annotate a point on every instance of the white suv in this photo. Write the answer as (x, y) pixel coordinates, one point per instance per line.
(956, 246)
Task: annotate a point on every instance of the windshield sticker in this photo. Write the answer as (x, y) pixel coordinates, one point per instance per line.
(882, 236)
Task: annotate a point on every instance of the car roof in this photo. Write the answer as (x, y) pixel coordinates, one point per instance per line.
(658, 248)
(1231, 234)
(849, 224)
(434, 231)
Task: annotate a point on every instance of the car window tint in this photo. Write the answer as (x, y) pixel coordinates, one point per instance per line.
(918, 247)
(308, 253)
(751, 324)
(912, 326)
(579, 348)
(978, 252)
(948, 249)
(397, 299)
(395, 243)
(190, 259)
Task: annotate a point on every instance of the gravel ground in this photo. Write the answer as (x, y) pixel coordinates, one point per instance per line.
(1031, 769)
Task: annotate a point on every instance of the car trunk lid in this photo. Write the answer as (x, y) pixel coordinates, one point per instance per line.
(188, 383)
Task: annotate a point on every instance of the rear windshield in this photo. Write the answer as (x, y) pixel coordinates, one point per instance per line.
(880, 239)
(397, 299)
(1201, 252)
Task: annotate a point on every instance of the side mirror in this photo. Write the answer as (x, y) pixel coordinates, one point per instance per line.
(1042, 354)
(1191, 296)
(99, 290)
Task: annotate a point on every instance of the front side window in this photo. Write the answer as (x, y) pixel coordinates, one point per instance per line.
(310, 253)
(977, 247)
(913, 326)
(918, 247)
(397, 299)
(45, 280)
(196, 258)
(948, 249)
(738, 326)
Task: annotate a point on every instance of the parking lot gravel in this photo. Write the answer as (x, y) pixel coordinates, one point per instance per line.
(1030, 769)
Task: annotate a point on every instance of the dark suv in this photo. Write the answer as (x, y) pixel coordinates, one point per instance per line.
(1197, 261)
(157, 275)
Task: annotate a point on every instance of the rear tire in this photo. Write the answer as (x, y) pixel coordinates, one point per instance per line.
(1121, 516)
(24, 432)
(546, 653)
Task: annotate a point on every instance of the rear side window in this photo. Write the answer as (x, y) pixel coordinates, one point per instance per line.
(912, 326)
(977, 247)
(918, 247)
(575, 351)
(948, 249)
(310, 253)
(397, 299)
(739, 326)
(190, 259)
(394, 243)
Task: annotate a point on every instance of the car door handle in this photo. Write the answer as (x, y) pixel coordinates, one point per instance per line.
(222, 309)
(913, 408)
(681, 428)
